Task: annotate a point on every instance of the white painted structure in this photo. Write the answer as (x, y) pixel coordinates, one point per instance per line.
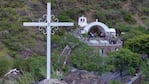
(112, 32)
(82, 22)
(48, 24)
(90, 25)
(98, 35)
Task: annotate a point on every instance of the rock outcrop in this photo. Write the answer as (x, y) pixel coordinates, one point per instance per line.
(12, 74)
(52, 81)
(82, 77)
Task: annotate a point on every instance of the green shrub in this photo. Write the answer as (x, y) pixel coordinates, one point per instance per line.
(32, 65)
(5, 64)
(110, 17)
(146, 11)
(25, 19)
(81, 60)
(35, 64)
(131, 33)
(26, 78)
(21, 64)
(128, 18)
(124, 27)
(107, 4)
(64, 17)
(86, 59)
(14, 3)
(139, 44)
(115, 82)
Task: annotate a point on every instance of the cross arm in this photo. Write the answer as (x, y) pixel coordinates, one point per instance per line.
(34, 24)
(55, 24)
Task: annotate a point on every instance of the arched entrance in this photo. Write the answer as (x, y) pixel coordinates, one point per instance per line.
(96, 31)
(98, 28)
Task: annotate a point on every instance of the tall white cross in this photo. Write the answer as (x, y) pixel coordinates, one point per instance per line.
(48, 24)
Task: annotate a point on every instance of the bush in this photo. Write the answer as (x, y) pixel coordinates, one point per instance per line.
(63, 17)
(5, 64)
(115, 82)
(146, 11)
(35, 64)
(107, 4)
(139, 44)
(26, 78)
(81, 60)
(110, 16)
(21, 64)
(130, 33)
(86, 59)
(32, 65)
(128, 18)
(124, 27)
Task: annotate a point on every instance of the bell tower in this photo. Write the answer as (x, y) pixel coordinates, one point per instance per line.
(82, 21)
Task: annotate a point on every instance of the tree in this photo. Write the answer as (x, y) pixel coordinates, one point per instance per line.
(145, 70)
(124, 59)
(139, 44)
(84, 58)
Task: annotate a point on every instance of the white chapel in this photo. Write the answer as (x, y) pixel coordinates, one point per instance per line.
(98, 34)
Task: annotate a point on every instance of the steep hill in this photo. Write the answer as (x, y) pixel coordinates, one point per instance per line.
(17, 42)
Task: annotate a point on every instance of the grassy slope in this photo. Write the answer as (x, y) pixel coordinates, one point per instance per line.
(13, 13)
(18, 41)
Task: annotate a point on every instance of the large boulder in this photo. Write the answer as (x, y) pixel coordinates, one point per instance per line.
(82, 77)
(52, 81)
(12, 74)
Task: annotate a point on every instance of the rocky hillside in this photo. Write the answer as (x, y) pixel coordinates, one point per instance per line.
(26, 41)
(25, 47)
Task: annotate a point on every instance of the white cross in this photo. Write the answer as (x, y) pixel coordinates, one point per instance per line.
(48, 24)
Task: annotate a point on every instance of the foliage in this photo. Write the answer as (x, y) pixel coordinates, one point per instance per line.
(124, 59)
(64, 17)
(131, 34)
(86, 60)
(64, 39)
(145, 82)
(146, 11)
(21, 64)
(115, 82)
(26, 78)
(110, 3)
(71, 13)
(81, 60)
(128, 18)
(130, 31)
(5, 64)
(109, 16)
(139, 44)
(145, 70)
(13, 4)
(33, 65)
(111, 12)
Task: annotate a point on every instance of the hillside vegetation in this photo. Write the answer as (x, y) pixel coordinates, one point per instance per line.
(25, 47)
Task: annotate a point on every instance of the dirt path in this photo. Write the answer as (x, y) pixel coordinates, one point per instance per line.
(127, 5)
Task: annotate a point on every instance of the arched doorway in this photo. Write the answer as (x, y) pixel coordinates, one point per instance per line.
(96, 31)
